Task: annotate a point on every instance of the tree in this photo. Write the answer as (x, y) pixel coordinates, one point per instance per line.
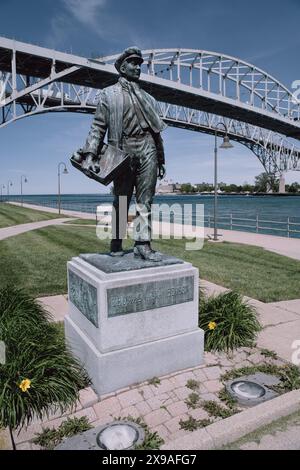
(294, 188)
(266, 182)
(247, 188)
(187, 188)
(204, 187)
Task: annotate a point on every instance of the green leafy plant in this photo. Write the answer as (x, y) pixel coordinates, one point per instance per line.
(154, 381)
(227, 398)
(191, 424)
(193, 400)
(192, 384)
(236, 373)
(152, 439)
(288, 374)
(228, 322)
(269, 353)
(50, 438)
(40, 374)
(218, 411)
(19, 311)
(289, 378)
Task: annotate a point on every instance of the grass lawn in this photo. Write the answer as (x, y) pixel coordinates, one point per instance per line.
(37, 261)
(15, 215)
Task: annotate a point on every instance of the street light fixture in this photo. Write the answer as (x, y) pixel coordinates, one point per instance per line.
(65, 172)
(225, 145)
(25, 181)
(9, 183)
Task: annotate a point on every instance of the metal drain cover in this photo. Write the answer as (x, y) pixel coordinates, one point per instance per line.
(245, 389)
(251, 390)
(118, 435)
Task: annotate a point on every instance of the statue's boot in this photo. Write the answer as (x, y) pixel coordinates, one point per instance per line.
(144, 251)
(116, 248)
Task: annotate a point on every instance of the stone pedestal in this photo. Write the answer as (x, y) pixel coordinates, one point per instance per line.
(131, 320)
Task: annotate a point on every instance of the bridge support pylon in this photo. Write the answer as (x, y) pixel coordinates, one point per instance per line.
(282, 183)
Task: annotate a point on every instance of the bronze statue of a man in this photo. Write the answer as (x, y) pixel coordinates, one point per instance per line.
(129, 116)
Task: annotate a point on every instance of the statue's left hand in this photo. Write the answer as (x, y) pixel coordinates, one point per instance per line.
(90, 164)
(161, 173)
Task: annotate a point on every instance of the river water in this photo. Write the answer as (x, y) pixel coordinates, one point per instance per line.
(272, 215)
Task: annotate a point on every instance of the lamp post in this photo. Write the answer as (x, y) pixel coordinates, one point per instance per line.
(9, 183)
(225, 145)
(65, 172)
(25, 181)
(2, 186)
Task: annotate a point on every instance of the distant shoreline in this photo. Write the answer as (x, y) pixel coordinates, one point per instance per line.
(54, 195)
(230, 194)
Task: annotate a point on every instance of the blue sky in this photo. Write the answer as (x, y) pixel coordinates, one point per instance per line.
(263, 32)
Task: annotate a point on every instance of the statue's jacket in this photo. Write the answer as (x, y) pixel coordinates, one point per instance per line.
(109, 118)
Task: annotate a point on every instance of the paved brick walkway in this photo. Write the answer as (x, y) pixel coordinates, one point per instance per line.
(162, 406)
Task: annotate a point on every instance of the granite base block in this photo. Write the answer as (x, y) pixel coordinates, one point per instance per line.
(117, 369)
(127, 326)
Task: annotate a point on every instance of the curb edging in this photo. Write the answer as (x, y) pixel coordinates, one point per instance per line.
(239, 425)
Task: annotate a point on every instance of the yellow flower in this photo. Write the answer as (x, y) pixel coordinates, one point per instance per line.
(25, 385)
(212, 325)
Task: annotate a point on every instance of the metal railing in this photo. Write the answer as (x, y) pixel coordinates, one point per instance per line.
(288, 228)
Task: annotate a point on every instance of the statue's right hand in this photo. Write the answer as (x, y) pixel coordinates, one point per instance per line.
(77, 157)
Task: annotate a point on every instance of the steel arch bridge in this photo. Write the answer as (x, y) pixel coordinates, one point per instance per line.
(196, 90)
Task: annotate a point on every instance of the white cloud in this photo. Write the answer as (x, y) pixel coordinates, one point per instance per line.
(93, 17)
(59, 30)
(268, 53)
(85, 11)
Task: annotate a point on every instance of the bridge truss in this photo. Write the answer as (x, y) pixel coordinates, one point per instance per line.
(196, 90)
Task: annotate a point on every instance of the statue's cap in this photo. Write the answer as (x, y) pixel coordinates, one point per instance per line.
(129, 53)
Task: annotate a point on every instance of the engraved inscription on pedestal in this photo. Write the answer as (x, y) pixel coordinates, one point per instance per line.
(150, 295)
(84, 296)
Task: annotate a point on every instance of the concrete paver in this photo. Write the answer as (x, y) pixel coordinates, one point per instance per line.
(289, 247)
(14, 230)
(271, 314)
(52, 210)
(288, 305)
(56, 305)
(280, 338)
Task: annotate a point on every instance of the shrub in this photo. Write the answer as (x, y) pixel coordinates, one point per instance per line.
(40, 374)
(19, 313)
(228, 322)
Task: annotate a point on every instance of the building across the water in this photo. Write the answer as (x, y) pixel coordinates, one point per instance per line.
(167, 186)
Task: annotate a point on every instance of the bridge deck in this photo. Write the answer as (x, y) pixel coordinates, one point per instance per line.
(37, 61)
